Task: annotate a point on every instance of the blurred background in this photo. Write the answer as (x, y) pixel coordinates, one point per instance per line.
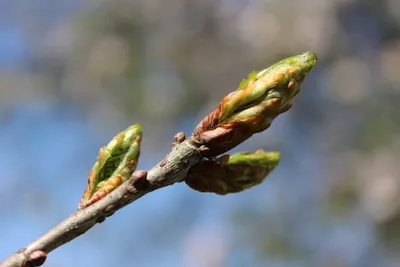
(74, 73)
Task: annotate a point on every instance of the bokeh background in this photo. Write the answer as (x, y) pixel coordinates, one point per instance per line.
(74, 73)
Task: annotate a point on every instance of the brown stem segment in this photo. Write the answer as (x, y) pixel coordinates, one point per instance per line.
(173, 168)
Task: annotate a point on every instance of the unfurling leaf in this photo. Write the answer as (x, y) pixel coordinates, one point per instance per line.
(232, 174)
(115, 164)
(254, 105)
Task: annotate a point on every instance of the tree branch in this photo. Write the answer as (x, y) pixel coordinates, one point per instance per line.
(250, 109)
(173, 168)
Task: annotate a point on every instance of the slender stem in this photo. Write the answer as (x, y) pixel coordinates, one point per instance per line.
(173, 168)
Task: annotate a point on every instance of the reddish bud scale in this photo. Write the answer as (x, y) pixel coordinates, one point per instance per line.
(230, 134)
(109, 186)
(223, 175)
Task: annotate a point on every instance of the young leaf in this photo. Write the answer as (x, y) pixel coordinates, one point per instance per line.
(115, 164)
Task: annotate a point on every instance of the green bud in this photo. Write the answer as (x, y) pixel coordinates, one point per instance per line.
(115, 164)
(254, 105)
(232, 174)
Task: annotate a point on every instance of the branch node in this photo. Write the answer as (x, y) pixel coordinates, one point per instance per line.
(139, 180)
(162, 163)
(178, 138)
(36, 258)
(109, 209)
(101, 219)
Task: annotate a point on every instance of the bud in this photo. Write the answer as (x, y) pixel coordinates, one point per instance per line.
(254, 105)
(115, 164)
(232, 174)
